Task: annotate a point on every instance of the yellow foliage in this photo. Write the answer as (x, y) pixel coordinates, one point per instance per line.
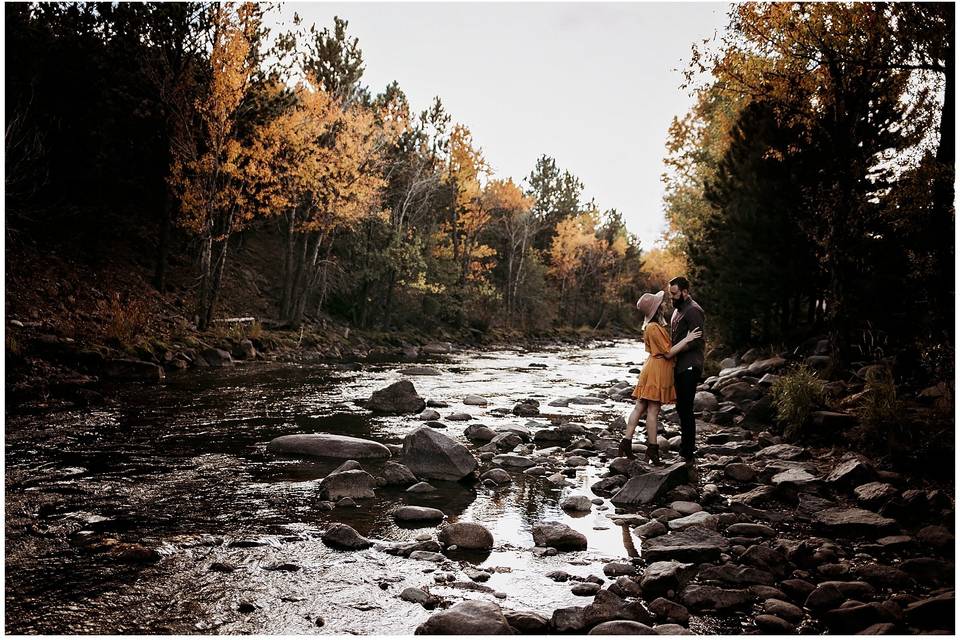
(663, 264)
(573, 236)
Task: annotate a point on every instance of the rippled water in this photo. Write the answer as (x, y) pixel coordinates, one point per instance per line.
(182, 467)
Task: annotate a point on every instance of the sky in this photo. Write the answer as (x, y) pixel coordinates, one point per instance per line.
(593, 85)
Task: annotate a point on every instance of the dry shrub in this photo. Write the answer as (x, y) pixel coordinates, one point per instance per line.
(796, 395)
(879, 408)
(127, 321)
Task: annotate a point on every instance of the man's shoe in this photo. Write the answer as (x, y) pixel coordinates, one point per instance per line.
(692, 473)
(626, 449)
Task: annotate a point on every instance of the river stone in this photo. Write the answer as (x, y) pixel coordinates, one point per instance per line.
(396, 473)
(761, 367)
(750, 530)
(783, 609)
(568, 620)
(695, 544)
(398, 398)
(851, 473)
(499, 476)
(617, 569)
(575, 461)
(735, 574)
(648, 487)
(419, 371)
(670, 611)
(217, 357)
(429, 415)
(466, 535)
(699, 519)
(672, 630)
(513, 461)
(763, 557)
(739, 392)
(851, 521)
(411, 513)
(936, 612)
(621, 628)
(506, 441)
(344, 536)
(479, 433)
(774, 625)
(936, 536)
(475, 400)
(584, 589)
(793, 477)
(783, 452)
(348, 484)
(427, 556)
(459, 416)
(421, 487)
(873, 494)
(436, 348)
(665, 575)
(421, 597)
(328, 445)
(430, 454)
(527, 622)
(705, 401)
(473, 617)
(849, 619)
(576, 503)
(740, 472)
(559, 536)
(685, 507)
(702, 597)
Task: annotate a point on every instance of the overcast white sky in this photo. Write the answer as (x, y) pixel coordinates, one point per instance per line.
(594, 85)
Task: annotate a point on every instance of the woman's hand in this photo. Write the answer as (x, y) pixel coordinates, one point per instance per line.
(693, 335)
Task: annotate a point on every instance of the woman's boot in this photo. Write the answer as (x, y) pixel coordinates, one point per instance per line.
(626, 449)
(653, 454)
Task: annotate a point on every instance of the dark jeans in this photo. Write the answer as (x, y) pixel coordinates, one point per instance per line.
(686, 382)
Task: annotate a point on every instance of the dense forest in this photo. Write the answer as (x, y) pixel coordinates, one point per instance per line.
(809, 190)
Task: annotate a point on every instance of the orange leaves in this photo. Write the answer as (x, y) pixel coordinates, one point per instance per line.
(574, 236)
(503, 197)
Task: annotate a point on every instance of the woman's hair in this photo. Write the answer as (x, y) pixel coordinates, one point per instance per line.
(658, 316)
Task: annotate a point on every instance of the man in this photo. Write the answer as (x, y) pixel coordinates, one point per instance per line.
(687, 315)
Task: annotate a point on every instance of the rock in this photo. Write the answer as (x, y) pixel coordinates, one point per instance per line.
(760, 367)
(429, 415)
(740, 472)
(474, 400)
(419, 371)
(344, 536)
(576, 503)
(473, 617)
(690, 545)
(217, 358)
(705, 401)
(670, 611)
(427, 556)
(132, 370)
(626, 587)
(651, 529)
(851, 473)
(936, 612)
(783, 609)
(936, 536)
(575, 461)
(664, 576)
(735, 574)
(527, 622)
(437, 348)
(819, 363)
(466, 535)
(784, 452)
(558, 536)
(245, 350)
(774, 625)
(616, 569)
(831, 421)
(346, 501)
(797, 589)
(685, 507)
(793, 478)
(328, 445)
(513, 461)
(568, 620)
(476, 575)
(648, 487)
(709, 598)
(421, 597)
(459, 417)
(421, 487)
(349, 465)
(397, 399)
(411, 513)
(770, 560)
(699, 519)
(750, 530)
(527, 408)
(430, 454)
(756, 496)
(854, 618)
(750, 356)
(585, 589)
(622, 628)
(396, 473)
(479, 433)
(874, 494)
(348, 484)
(883, 576)
(672, 630)
(499, 476)
(850, 521)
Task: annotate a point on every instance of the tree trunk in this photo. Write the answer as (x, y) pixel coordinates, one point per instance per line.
(206, 250)
(217, 279)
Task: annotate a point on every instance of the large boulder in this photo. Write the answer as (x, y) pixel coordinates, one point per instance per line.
(217, 357)
(328, 445)
(666, 575)
(650, 486)
(705, 401)
(396, 473)
(355, 483)
(399, 398)
(466, 535)
(702, 597)
(559, 536)
(473, 617)
(430, 454)
(740, 391)
(410, 513)
(132, 370)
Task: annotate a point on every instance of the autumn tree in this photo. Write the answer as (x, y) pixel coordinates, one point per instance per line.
(510, 213)
(556, 195)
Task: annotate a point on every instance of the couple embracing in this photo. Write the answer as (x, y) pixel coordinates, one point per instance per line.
(672, 371)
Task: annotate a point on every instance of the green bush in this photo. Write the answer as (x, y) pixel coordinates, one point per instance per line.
(796, 395)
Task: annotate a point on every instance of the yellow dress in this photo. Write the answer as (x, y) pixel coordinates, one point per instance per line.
(656, 376)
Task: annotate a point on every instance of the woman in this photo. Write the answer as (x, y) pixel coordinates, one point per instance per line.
(655, 386)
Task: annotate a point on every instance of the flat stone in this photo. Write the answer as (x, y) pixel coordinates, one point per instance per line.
(421, 597)
(685, 508)
(774, 625)
(666, 575)
(709, 598)
(475, 400)
(695, 544)
(473, 617)
(344, 536)
(783, 452)
(617, 569)
(427, 556)
(783, 609)
(740, 472)
(328, 445)
(796, 477)
(419, 371)
(699, 519)
(650, 486)
(513, 461)
(559, 536)
(417, 514)
(750, 530)
(852, 521)
(874, 493)
(576, 503)
(622, 628)
(851, 473)
(735, 574)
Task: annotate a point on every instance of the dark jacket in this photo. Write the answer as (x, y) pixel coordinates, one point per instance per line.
(687, 315)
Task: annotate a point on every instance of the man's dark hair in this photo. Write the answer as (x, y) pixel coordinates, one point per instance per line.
(681, 283)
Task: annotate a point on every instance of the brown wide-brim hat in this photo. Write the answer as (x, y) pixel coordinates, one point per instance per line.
(649, 303)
